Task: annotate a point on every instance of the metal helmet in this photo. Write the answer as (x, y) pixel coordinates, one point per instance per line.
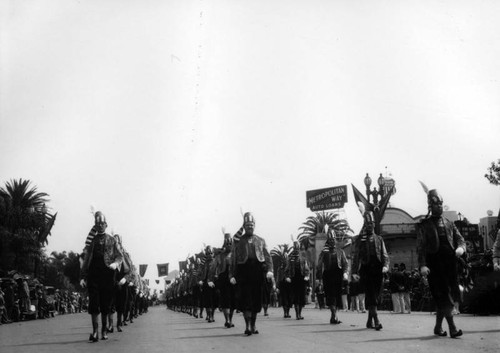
(248, 218)
(434, 198)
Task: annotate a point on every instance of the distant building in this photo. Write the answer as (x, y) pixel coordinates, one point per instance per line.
(487, 227)
(398, 229)
(399, 232)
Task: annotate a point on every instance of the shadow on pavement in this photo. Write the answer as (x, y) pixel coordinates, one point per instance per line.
(212, 336)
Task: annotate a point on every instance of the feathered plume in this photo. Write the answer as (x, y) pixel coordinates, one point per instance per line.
(223, 230)
(291, 237)
(241, 211)
(426, 189)
(361, 207)
(92, 210)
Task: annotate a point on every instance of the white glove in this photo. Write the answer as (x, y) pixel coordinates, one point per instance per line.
(200, 283)
(496, 263)
(269, 275)
(385, 269)
(122, 281)
(232, 280)
(288, 279)
(83, 283)
(355, 278)
(130, 284)
(346, 277)
(459, 252)
(424, 270)
(113, 266)
(211, 284)
(306, 278)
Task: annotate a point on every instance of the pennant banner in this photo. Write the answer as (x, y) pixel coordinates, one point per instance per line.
(142, 270)
(157, 281)
(162, 269)
(182, 266)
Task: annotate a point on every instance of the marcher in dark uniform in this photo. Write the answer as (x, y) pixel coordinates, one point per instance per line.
(439, 243)
(227, 295)
(123, 277)
(297, 273)
(98, 275)
(370, 262)
(250, 266)
(208, 286)
(285, 290)
(332, 270)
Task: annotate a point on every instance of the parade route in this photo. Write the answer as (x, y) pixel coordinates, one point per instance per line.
(162, 330)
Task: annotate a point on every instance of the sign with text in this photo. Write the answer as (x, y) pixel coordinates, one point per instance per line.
(326, 199)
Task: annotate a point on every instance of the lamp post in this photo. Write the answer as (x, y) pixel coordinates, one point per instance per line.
(368, 182)
(375, 193)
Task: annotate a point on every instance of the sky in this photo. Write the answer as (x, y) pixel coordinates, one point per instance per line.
(173, 117)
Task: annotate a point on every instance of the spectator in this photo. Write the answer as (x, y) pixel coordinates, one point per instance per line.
(396, 286)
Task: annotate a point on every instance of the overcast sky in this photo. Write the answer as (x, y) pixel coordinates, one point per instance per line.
(171, 116)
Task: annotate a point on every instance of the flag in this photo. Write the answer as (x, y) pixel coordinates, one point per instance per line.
(142, 270)
(162, 269)
(378, 209)
(182, 266)
(157, 281)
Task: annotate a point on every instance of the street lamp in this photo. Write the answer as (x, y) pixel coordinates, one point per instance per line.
(368, 182)
(375, 193)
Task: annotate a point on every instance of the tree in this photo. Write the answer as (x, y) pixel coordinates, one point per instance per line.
(61, 270)
(494, 173)
(279, 255)
(324, 222)
(24, 226)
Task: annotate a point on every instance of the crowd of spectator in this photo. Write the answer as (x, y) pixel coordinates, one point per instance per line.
(23, 298)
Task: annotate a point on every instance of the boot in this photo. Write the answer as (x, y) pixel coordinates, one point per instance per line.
(438, 328)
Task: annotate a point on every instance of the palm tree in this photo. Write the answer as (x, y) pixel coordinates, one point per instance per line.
(24, 223)
(279, 255)
(324, 222)
(327, 223)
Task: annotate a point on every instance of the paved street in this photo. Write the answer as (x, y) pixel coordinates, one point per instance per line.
(162, 330)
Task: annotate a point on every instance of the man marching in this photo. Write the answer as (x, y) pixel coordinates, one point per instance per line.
(439, 244)
(250, 265)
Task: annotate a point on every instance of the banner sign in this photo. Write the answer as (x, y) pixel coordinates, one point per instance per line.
(327, 199)
(182, 266)
(162, 269)
(142, 270)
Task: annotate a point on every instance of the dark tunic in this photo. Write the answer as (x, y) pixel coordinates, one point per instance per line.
(227, 293)
(298, 285)
(250, 279)
(100, 280)
(370, 272)
(443, 277)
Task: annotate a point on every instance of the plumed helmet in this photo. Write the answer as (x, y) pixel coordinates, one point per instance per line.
(99, 217)
(227, 240)
(433, 197)
(248, 218)
(367, 214)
